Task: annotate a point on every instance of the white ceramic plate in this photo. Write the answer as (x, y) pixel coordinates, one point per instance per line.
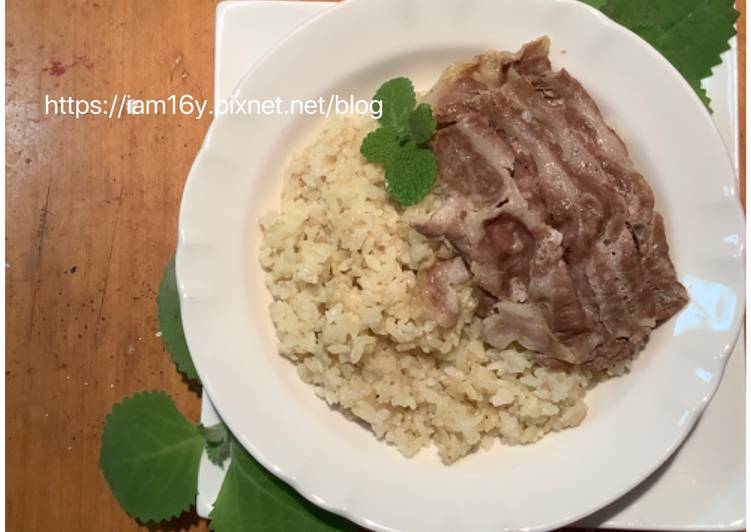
(634, 423)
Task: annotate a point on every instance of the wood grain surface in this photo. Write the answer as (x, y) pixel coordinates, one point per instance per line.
(91, 211)
(91, 221)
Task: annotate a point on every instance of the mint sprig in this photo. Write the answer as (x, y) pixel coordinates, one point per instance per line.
(380, 145)
(421, 124)
(399, 144)
(397, 97)
(411, 173)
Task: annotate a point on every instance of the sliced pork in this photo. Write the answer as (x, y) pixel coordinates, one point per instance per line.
(436, 290)
(460, 81)
(545, 206)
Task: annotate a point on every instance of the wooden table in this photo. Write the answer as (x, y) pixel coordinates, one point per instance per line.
(92, 206)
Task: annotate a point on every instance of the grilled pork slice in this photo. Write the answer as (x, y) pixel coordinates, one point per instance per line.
(544, 203)
(436, 290)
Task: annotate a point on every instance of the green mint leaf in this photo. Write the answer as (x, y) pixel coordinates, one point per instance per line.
(218, 440)
(150, 455)
(691, 34)
(421, 124)
(397, 97)
(170, 324)
(251, 498)
(380, 146)
(411, 174)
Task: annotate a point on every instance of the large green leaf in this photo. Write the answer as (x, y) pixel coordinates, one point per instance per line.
(170, 323)
(691, 34)
(150, 455)
(252, 499)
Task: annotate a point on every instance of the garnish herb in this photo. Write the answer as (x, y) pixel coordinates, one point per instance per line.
(399, 144)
